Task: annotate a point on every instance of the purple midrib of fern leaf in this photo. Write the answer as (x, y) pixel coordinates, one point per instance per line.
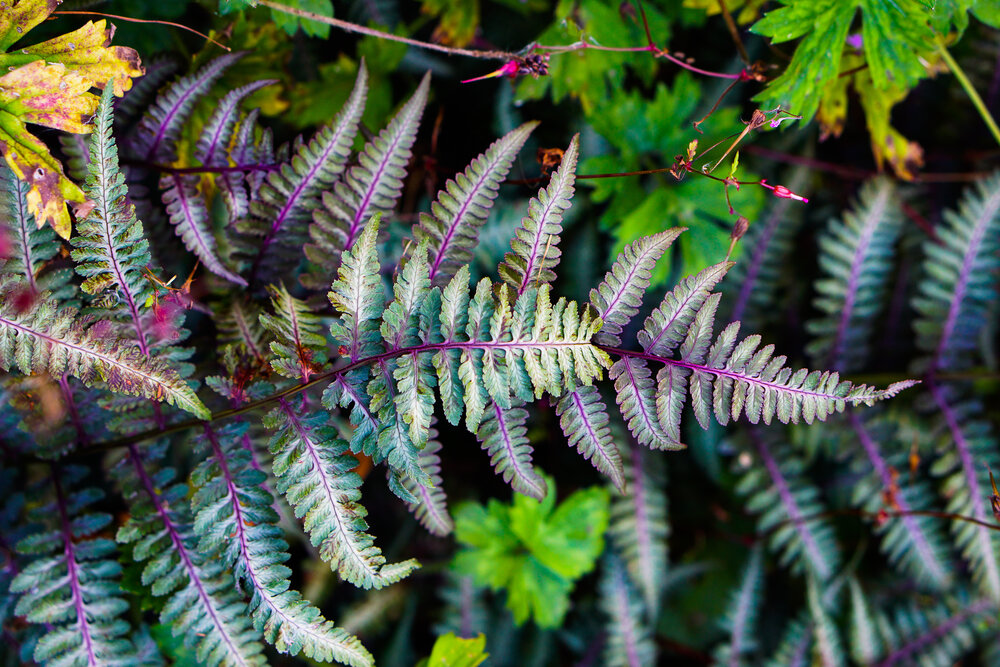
(210, 72)
(185, 558)
(983, 536)
(72, 411)
(240, 525)
(529, 267)
(935, 633)
(293, 199)
(304, 437)
(205, 247)
(362, 209)
(858, 261)
(913, 528)
(455, 222)
(69, 550)
(643, 531)
(990, 207)
(649, 420)
(581, 409)
(815, 554)
(525, 476)
(741, 618)
(629, 638)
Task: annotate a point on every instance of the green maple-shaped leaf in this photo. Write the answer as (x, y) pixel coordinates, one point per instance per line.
(47, 84)
(453, 651)
(533, 549)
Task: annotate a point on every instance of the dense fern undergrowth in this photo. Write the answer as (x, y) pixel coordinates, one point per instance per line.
(183, 462)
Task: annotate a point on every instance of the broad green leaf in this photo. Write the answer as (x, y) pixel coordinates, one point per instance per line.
(453, 651)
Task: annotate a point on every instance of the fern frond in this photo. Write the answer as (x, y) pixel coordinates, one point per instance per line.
(236, 523)
(953, 300)
(30, 247)
(288, 197)
(111, 250)
(788, 504)
(937, 635)
(236, 187)
(536, 241)
(202, 605)
(619, 295)
(630, 642)
(505, 438)
(855, 257)
(299, 349)
(828, 650)
(915, 543)
(639, 526)
(462, 206)
(637, 400)
(865, 640)
(968, 452)
(315, 473)
(358, 296)
(794, 649)
(45, 339)
(431, 508)
(372, 186)
(669, 324)
(742, 613)
(71, 584)
(218, 131)
(240, 325)
(188, 213)
(161, 126)
(584, 419)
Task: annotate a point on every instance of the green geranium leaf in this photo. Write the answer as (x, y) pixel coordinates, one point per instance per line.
(533, 549)
(452, 651)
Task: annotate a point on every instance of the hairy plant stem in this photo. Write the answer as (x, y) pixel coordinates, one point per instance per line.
(977, 101)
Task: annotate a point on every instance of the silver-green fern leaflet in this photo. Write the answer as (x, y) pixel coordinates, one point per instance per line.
(371, 186)
(856, 263)
(462, 206)
(71, 582)
(202, 605)
(639, 526)
(283, 207)
(742, 614)
(954, 302)
(236, 523)
(57, 341)
(312, 464)
(630, 642)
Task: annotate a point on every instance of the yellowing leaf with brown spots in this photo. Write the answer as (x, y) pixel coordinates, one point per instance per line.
(48, 84)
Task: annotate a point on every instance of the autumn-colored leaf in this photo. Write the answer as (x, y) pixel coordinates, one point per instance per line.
(48, 84)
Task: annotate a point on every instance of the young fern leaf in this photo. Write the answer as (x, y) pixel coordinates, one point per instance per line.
(188, 213)
(742, 612)
(639, 526)
(57, 341)
(954, 299)
(505, 439)
(161, 126)
(311, 464)
(431, 508)
(462, 206)
(288, 197)
(915, 543)
(584, 419)
(372, 186)
(203, 607)
(315, 473)
(856, 261)
(937, 634)
(218, 131)
(30, 246)
(629, 643)
(865, 638)
(536, 242)
(786, 501)
(619, 295)
(111, 249)
(71, 584)
(237, 524)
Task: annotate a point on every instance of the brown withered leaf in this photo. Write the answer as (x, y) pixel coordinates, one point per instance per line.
(48, 84)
